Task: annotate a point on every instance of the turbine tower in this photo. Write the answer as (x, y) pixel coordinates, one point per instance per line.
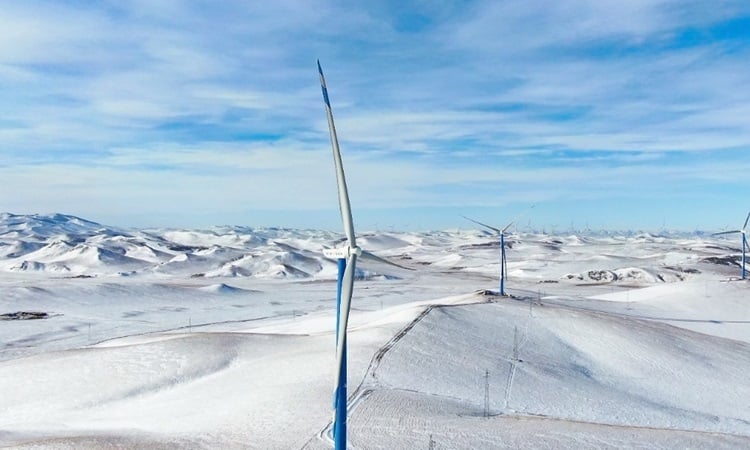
(745, 246)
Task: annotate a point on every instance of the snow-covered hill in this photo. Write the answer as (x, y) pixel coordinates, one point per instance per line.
(220, 338)
(62, 244)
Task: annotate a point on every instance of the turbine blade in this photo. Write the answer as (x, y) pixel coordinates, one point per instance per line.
(726, 232)
(746, 219)
(373, 257)
(347, 287)
(497, 230)
(344, 205)
(518, 216)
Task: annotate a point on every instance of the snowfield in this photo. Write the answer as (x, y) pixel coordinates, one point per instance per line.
(224, 338)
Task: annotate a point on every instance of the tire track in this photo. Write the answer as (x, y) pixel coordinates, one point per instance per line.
(378, 356)
(362, 391)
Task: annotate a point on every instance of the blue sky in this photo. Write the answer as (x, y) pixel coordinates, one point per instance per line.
(605, 114)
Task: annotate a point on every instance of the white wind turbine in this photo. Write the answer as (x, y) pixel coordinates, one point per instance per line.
(501, 233)
(745, 246)
(347, 259)
(503, 260)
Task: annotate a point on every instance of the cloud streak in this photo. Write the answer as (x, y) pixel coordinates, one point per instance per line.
(162, 107)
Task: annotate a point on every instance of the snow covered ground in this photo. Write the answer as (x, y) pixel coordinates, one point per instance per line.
(223, 338)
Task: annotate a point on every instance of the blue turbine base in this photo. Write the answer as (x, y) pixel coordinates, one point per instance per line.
(339, 402)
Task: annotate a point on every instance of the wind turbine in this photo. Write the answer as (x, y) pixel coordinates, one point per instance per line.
(503, 260)
(347, 260)
(501, 233)
(744, 242)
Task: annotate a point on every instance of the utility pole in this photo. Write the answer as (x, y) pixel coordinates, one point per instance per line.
(486, 393)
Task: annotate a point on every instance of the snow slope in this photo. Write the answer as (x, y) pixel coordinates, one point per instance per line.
(223, 338)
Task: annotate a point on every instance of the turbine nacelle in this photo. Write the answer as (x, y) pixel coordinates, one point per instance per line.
(342, 252)
(346, 252)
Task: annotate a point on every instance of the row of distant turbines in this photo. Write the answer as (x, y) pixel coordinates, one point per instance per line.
(504, 263)
(347, 260)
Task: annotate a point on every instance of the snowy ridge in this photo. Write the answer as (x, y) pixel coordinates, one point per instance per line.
(58, 243)
(217, 338)
(66, 244)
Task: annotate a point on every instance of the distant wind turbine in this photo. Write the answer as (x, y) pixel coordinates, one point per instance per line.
(347, 260)
(744, 242)
(501, 233)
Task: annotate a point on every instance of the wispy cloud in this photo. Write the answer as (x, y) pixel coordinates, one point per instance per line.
(164, 107)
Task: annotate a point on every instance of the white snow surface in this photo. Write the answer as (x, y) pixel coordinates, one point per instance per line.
(224, 338)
